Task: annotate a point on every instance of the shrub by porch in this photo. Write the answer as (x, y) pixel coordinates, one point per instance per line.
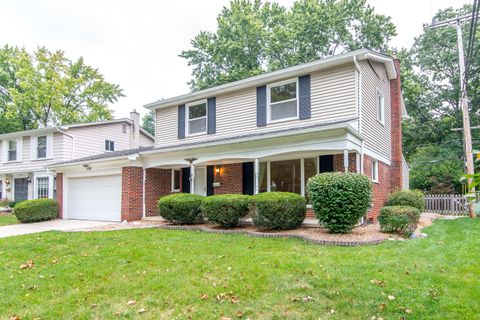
(36, 210)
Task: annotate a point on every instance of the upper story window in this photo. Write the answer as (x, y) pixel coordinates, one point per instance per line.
(282, 101)
(12, 150)
(196, 117)
(41, 147)
(109, 145)
(380, 107)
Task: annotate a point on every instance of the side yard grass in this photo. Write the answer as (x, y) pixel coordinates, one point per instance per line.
(7, 219)
(159, 274)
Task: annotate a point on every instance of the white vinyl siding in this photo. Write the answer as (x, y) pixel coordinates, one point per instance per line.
(377, 135)
(332, 99)
(145, 141)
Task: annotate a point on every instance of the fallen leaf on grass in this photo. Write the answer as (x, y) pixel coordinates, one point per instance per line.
(391, 298)
(28, 265)
(240, 313)
(225, 318)
(377, 282)
(15, 318)
(93, 306)
(131, 302)
(405, 309)
(295, 299)
(142, 310)
(382, 306)
(204, 296)
(307, 298)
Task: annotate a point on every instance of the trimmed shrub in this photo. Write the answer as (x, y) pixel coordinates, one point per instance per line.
(279, 210)
(226, 209)
(411, 198)
(399, 219)
(182, 208)
(340, 199)
(36, 210)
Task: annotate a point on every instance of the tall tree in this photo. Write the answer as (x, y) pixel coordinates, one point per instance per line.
(148, 122)
(254, 37)
(45, 88)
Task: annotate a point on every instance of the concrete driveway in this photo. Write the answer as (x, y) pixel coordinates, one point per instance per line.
(57, 225)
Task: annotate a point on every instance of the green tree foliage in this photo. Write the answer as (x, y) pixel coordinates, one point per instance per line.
(45, 88)
(253, 37)
(436, 169)
(148, 122)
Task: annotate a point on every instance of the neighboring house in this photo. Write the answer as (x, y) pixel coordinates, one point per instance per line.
(25, 154)
(266, 133)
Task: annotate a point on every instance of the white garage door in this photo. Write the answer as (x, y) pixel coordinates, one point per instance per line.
(94, 198)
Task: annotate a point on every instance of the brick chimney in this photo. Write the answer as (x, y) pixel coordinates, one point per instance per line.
(396, 129)
(135, 139)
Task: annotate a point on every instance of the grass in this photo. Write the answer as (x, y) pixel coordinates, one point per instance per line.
(94, 275)
(7, 219)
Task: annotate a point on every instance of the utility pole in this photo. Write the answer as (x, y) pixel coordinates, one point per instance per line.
(467, 135)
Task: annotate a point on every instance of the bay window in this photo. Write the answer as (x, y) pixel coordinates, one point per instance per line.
(196, 118)
(282, 101)
(42, 187)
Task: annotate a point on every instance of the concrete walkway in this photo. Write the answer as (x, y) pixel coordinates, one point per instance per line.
(57, 225)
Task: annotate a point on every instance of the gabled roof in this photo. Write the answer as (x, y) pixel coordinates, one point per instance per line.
(269, 77)
(69, 126)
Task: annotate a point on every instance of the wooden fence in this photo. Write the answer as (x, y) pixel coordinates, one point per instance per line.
(451, 204)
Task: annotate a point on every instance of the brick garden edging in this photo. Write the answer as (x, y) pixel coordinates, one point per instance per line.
(274, 235)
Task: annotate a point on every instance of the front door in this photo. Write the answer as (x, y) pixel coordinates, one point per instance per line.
(20, 189)
(201, 181)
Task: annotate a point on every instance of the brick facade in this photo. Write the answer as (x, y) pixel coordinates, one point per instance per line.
(59, 187)
(158, 183)
(396, 130)
(338, 162)
(132, 193)
(381, 189)
(230, 177)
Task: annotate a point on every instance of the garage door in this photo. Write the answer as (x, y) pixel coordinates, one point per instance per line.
(94, 198)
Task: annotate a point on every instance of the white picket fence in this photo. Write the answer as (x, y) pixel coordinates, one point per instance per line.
(451, 204)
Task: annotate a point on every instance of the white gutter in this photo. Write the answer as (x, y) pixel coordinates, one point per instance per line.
(73, 141)
(360, 102)
(265, 78)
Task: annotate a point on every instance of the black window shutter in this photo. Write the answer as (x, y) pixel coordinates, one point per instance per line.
(181, 121)
(211, 114)
(210, 179)
(326, 163)
(261, 106)
(186, 180)
(248, 177)
(304, 97)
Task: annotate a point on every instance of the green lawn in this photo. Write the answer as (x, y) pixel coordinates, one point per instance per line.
(95, 275)
(6, 220)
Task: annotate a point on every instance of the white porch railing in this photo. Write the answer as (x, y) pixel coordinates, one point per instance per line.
(451, 204)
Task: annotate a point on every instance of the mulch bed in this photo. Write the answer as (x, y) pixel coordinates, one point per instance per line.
(362, 235)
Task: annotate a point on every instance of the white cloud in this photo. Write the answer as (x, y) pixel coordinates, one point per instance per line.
(136, 43)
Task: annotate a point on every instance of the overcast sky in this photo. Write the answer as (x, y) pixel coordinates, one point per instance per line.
(136, 43)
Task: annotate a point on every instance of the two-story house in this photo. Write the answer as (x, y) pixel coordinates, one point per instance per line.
(266, 133)
(24, 155)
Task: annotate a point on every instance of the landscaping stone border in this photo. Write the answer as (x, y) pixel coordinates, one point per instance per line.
(274, 235)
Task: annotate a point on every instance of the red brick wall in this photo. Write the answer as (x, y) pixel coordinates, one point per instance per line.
(338, 162)
(59, 186)
(158, 183)
(396, 129)
(132, 193)
(230, 178)
(381, 189)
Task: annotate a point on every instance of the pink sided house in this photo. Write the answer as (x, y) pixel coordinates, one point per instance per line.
(266, 133)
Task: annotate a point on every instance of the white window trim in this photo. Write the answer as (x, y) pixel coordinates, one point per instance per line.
(381, 119)
(50, 184)
(187, 120)
(16, 150)
(173, 180)
(375, 165)
(269, 111)
(36, 147)
(109, 140)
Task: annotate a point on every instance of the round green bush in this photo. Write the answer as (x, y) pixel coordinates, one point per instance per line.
(340, 199)
(182, 208)
(399, 219)
(36, 210)
(226, 209)
(279, 210)
(411, 198)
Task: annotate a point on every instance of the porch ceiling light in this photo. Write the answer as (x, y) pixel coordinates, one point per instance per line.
(191, 160)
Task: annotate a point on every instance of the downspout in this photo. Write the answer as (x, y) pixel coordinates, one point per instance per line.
(359, 104)
(73, 141)
(144, 209)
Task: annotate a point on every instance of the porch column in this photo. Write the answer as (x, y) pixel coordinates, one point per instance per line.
(345, 160)
(256, 169)
(192, 178)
